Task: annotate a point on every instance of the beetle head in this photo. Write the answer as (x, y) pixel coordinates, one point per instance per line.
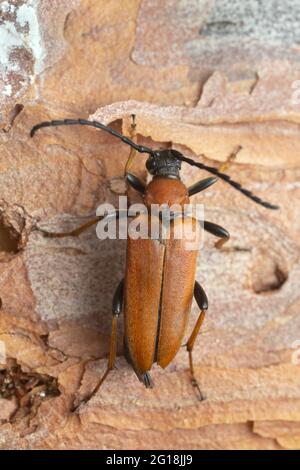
(164, 163)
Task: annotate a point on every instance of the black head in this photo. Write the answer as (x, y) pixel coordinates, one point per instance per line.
(164, 163)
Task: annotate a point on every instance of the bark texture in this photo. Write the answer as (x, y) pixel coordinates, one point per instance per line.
(203, 77)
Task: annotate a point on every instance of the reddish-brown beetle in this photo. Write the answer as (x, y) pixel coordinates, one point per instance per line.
(159, 284)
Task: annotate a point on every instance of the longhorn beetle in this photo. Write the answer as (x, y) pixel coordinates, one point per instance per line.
(159, 283)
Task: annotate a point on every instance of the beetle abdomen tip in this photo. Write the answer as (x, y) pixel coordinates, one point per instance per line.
(147, 381)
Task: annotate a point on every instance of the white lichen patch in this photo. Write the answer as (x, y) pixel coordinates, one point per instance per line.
(7, 7)
(7, 90)
(19, 32)
(10, 39)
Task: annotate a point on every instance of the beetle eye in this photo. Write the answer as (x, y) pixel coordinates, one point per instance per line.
(151, 165)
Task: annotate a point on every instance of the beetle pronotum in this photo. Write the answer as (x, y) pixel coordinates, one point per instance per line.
(156, 315)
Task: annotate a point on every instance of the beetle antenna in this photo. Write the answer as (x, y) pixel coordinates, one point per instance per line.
(228, 180)
(98, 125)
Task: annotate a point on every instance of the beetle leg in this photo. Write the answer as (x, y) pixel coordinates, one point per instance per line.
(117, 306)
(132, 154)
(202, 302)
(224, 166)
(131, 179)
(78, 230)
(135, 182)
(201, 185)
(218, 231)
(71, 233)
